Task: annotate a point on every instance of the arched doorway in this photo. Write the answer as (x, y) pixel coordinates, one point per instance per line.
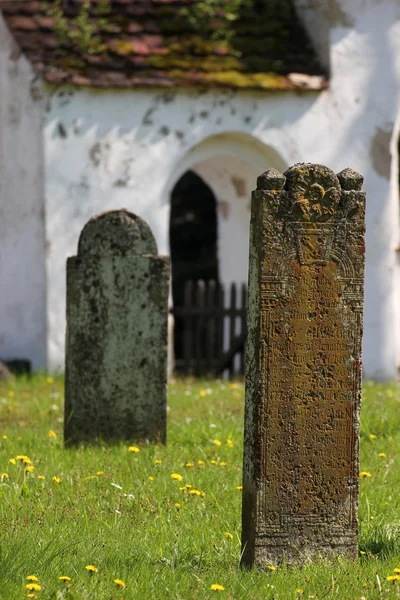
(193, 234)
(215, 177)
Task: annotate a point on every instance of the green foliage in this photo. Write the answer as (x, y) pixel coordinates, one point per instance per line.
(223, 15)
(117, 509)
(80, 31)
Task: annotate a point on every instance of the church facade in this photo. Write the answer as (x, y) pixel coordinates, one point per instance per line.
(177, 130)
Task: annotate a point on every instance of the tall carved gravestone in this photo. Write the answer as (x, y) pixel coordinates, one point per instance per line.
(303, 372)
(116, 343)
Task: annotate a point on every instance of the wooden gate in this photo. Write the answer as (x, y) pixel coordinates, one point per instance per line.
(211, 328)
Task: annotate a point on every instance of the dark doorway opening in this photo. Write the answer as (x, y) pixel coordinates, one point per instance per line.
(193, 235)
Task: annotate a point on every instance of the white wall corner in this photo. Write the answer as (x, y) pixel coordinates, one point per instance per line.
(23, 329)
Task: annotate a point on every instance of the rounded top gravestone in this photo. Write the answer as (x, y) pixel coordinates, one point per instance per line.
(116, 232)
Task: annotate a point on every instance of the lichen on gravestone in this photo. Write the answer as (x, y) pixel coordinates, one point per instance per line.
(303, 366)
(116, 341)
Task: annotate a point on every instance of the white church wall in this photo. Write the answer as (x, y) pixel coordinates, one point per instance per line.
(127, 149)
(365, 69)
(22, 238)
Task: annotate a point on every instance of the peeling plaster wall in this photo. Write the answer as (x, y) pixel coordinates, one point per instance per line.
(22, 239)
(127, 149)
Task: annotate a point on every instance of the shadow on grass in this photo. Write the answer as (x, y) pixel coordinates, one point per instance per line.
(383, 546)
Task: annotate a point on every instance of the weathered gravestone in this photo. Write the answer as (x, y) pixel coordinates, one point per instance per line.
(5, 373)
(303, 374)
(116, 343)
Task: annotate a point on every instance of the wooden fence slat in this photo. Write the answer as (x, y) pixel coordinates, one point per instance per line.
(208, 324)
(220, 321)
(187, 320)
(199, 330)
(243, 324)
(227, 359)
(211, 330)
(232, 325)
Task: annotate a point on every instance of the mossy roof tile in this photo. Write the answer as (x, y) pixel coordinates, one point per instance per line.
(153, 43)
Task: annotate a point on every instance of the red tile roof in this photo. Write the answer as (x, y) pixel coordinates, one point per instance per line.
(152, 43)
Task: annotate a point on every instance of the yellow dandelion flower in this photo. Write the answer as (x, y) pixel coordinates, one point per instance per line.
(201, 463)
(11, 393)
(52, 434)
(91, 568)
(372, 436)
(177, 505)
(239, 487)
(157, 462)
(22, 457)
(228, 535)
(189, 464)
(194, 492)
(5, 437)
(216, 587)
(151, 478)
(362, 552)
(99, 473)
(223, 464)
(372, 517)
(29, 469)
(32, 578)
(203, 393)
(382, 454)
(33, 587)
(41, 477)
(299, 591)
(213, 462)
(64, 578)
(4, 475)
(393, 578)
(50, 380)
(271, 567)
(13, 461)
(187, 486)
(56, 479)
(31, 595)
(176, 476)
(233, 386)
(119, 583)
(229, 443)
(217, 442)
(365, 474)
(396, 570)
(134, 449)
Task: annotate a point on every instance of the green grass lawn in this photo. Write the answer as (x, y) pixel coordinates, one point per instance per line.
(122, 512)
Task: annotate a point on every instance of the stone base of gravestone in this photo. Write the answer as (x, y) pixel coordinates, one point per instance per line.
(5, 373)
(303, 366)
(116, 343)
